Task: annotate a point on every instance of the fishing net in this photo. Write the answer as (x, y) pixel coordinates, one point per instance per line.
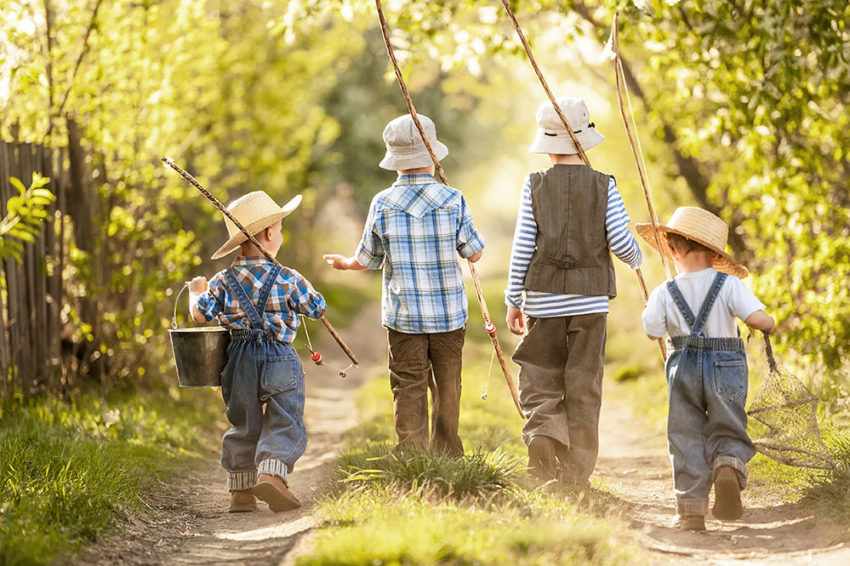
(787, 408)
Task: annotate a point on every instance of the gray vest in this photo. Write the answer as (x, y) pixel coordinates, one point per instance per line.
(569, 203)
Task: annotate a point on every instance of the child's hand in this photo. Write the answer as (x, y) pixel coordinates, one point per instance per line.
(198, 285)
(341, 262)
(515, 320)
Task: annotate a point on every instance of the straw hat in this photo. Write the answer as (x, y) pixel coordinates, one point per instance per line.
(405, 148)
(700, 226)
(254, 211)
(552, 136)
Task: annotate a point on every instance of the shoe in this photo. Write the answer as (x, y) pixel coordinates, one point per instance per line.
(727, 495)
(541, 458)
(242, 501)
(274, 491)
(689, 522)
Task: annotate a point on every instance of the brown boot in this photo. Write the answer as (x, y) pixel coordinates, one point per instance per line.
(727, 495)
(689, 522)
(541, 458)
(242, 501)
(274, 491)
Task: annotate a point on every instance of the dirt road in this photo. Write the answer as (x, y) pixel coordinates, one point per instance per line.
(189, 524)
(635, 467)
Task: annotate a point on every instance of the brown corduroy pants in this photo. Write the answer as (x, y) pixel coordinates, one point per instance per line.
(417, 363)
(561, 363)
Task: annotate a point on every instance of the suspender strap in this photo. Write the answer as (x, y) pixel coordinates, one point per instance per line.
(679, 299)
(254, 315)
(713, 293)
(697, 323)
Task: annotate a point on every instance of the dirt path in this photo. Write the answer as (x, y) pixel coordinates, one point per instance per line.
(634, 463)
(190, 524)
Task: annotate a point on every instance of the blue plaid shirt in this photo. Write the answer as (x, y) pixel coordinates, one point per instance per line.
(415, 230)
(289, 297)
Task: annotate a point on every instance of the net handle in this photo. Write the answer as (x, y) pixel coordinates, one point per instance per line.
(768, 350)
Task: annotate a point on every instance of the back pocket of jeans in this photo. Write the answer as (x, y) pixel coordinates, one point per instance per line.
(281, 373)
(730, 379)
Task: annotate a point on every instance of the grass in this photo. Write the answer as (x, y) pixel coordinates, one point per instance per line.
(71, 471)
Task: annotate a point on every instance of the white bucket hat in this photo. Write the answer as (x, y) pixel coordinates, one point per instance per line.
(254, 211)
(552, 136)
(702, 227)
(405, 148)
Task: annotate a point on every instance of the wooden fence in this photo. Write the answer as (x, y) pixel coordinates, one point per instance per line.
(30, 304)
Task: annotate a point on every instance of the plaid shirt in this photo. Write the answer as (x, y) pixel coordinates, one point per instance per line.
(415, 230)
(289, 297)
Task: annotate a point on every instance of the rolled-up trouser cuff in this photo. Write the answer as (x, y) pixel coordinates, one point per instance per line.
(240, 481)
(692, 507)
(733, 463)
(273, 468)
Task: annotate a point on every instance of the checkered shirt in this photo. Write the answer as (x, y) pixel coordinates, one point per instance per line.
(289, 297)
(414, 230)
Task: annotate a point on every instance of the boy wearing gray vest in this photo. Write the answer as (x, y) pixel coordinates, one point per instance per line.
(571, 218)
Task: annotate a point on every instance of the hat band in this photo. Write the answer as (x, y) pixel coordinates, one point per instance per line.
(556, 134)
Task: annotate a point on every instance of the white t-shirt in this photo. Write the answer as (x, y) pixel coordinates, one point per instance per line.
(662, 316)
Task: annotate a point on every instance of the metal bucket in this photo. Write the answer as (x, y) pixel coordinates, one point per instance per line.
(199, 353)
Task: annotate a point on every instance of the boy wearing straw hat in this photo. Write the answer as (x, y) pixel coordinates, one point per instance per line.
(706, 364)
(263, 382)
(414, 232)
(571, 217)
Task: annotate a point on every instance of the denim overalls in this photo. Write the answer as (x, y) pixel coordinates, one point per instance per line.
(260, 370)
(707, 420)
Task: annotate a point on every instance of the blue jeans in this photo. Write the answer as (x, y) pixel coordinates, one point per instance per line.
(707, 420)
(261, 371)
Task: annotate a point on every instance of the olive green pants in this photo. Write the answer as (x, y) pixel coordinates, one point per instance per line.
(561, 362)
(417, 363)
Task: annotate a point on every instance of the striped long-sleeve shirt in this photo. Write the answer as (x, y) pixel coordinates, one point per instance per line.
(545, 305)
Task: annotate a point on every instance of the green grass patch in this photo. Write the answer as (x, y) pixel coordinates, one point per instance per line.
(70, 471)
(387, 525)
(477, 474)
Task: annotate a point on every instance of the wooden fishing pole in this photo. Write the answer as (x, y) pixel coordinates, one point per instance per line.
(489, 327)
(194, 182)
(618, 77)
(572, 135)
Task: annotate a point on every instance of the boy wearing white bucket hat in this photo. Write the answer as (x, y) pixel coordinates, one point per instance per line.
(706, 364)
(571, 218)
(263, 382)
(414, 232)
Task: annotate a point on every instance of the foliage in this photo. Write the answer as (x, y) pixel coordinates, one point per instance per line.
(24, 215)
(70, 472)
(831, 489)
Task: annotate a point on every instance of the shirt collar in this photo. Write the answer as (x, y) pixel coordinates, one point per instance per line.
(418, 193)
(254, 260)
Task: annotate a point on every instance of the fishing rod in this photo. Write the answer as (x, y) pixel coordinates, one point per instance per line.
(489, 327)
(194, 182)
(572, 135)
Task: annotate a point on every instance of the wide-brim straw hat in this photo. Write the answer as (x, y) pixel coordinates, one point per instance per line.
(405, 148)
(255, 212)
(552, 136)
(702, 227)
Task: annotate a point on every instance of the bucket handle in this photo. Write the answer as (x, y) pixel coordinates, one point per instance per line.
(176, 300)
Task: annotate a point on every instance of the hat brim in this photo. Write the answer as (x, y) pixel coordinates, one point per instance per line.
(237, 239)
(562, 144)
(724, 263)
(395, 161)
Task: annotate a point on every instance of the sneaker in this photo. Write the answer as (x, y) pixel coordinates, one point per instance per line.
(274, 491)
(541, 458)
(689, 522)
(727, 495)
(242, 501)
